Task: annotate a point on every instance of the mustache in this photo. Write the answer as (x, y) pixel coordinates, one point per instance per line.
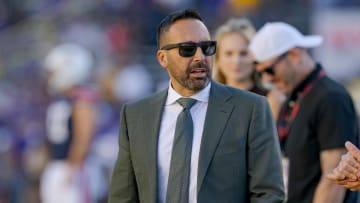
(199, 65)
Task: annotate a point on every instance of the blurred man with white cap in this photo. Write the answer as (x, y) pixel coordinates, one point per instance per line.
(317, 118)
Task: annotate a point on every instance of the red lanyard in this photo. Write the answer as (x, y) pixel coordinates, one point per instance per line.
(289, 113)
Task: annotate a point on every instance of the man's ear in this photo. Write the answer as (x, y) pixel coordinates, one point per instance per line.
(295, 54)
(162, 58)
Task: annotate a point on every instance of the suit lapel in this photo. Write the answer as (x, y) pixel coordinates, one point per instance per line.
(218, 112)
(152, 119)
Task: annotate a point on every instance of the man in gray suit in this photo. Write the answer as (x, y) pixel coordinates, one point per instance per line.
(234, 153)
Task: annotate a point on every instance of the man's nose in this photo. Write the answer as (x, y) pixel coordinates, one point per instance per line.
(199, 55)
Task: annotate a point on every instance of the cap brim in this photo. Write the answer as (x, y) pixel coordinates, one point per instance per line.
(310, 41)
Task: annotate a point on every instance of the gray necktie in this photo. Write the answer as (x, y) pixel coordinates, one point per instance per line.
(179, 175)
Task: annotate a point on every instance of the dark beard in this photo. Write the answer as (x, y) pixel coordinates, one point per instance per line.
(197, 84)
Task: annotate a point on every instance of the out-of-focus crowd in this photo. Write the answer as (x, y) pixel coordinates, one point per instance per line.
(121, 37)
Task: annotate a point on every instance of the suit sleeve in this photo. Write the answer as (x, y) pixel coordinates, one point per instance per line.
(123, 188)
(264, 158)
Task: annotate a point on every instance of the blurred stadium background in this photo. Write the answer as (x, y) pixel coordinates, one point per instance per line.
(121, 35)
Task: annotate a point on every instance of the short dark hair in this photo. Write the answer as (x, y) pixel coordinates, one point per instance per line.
(172, 18)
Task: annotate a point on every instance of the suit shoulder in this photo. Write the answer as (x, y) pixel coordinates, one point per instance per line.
(237, 96)
(143, 102)
(243, 94)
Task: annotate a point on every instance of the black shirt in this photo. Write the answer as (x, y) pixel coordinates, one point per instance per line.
(325, 120)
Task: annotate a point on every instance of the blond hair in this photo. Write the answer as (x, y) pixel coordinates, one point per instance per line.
(234, 25)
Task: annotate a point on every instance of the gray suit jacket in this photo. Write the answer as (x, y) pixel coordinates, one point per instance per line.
(239, 157)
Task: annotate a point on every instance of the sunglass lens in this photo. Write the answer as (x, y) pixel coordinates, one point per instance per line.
(270, 70)
(208, 48)
(187, 51)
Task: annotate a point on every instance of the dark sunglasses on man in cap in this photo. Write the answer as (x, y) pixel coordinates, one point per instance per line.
(188, 49)
(270, 69)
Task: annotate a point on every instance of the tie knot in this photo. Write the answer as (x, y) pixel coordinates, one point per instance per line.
(186, 103)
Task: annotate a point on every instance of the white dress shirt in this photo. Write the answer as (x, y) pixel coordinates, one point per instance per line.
(166, 137)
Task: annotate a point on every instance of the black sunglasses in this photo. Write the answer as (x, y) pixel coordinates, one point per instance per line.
(270, 69)
(188, 49)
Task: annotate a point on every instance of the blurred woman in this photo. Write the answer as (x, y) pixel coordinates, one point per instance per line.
(233, 65)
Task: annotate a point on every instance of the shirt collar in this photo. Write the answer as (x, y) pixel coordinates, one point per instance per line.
(309, 79)
(202, 95)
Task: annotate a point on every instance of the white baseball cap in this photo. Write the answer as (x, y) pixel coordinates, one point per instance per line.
(276, 38)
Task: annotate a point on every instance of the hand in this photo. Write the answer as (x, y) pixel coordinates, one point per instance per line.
(351, 185)
(347, 173)
(353, 150)
(348, 168)
(354, 161)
